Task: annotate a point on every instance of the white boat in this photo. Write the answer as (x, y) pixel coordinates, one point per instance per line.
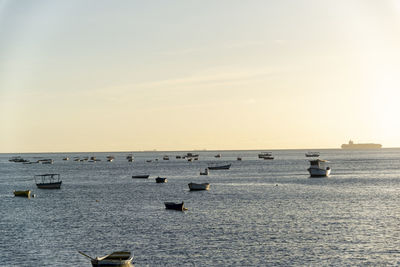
(166, 157)
(198, 187)
(318, 168)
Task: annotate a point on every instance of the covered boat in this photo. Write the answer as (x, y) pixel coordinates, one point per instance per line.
(22, 193)
(48, 181)
(198, 187)
(220, 167)
(160, 180)
(318, 168)
(115, 259)
(175, 206)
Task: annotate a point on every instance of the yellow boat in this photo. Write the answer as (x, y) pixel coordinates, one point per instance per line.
(26, 193)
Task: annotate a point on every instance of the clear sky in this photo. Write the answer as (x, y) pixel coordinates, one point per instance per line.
(213, 74)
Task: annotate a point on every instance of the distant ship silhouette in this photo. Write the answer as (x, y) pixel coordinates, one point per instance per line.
(351, 145)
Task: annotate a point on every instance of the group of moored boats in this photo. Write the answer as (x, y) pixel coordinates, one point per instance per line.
(42, 181)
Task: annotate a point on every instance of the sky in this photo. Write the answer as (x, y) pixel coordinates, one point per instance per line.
(190, 75)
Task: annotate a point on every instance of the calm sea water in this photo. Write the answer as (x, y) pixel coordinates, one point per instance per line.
(258, 213)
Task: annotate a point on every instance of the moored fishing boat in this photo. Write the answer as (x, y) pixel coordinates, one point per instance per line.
(22, 193)
(48, 181)
(198, 187)
(175, 206)
(318, 168)
(115, 259)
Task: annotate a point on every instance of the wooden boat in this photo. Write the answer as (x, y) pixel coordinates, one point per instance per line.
(175, 206)
(220, 167)
(318, 168)
(160, 180)
(198, 187)
(24, 193)
(206, 172)
(48, 181)
(141, 176)
(115, 259)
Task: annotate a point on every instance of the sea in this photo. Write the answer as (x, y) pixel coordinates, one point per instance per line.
(257, 213)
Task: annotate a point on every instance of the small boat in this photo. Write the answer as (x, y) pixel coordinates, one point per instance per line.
(110, 158)
(141, 176)
(130, 158)
(160, 180)
(268, 157)
(175, 206)
(165, 158)
(220, 167)
(149, 160)
(318, 168)
(118, 258)
(48, 181)
(206, 172)
(264, 155)
(312, 154)
(178, 157)
(25, 193)
(217, 156)
(198, 187)
(66, 158)
(239, 158)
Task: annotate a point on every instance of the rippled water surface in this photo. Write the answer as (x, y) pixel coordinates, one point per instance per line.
(258, 213)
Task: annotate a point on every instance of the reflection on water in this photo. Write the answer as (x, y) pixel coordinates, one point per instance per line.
(257, 213)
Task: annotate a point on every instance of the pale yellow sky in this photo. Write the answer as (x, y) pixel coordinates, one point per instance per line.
(198, 75)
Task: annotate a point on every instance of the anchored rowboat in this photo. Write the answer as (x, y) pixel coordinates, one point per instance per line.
(198, 187)
(115, 259)
(26, 193)
(221, 167)
(175, 206)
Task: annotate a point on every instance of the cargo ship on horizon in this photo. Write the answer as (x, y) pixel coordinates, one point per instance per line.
(352, 145)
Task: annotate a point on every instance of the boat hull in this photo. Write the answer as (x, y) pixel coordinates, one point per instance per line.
(199, 187)
(140, 176)
(116, 259)
(222, 167)
(174, 206)
(319, 172)
(56, 185)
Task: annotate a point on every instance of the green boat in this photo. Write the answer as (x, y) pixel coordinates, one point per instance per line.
(22, 193)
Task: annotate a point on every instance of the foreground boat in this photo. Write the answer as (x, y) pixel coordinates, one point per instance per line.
(142, 176)
(220, 167)
(24, 193)
(198, 187)
(318, 168)
(48, 181)
(175, 206)
(115, 259)
(160, 180)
